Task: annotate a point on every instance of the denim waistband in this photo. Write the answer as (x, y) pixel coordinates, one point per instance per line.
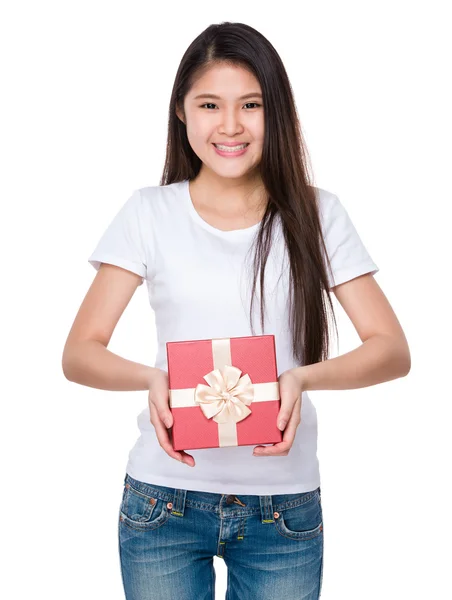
(248, 504)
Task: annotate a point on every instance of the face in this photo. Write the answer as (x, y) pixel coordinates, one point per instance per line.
(227, 118)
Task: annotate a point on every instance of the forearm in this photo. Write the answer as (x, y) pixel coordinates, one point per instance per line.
(90, 363)
(378, 359)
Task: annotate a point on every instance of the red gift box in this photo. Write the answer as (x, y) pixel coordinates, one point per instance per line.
(223, 392)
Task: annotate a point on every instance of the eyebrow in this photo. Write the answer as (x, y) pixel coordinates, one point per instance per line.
(252, 95)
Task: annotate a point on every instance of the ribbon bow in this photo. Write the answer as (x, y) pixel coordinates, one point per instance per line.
(227, 397)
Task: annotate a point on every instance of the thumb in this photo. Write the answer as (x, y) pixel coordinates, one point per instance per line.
(159, 396)
(168, 420)
(288, 401)
(165, 415)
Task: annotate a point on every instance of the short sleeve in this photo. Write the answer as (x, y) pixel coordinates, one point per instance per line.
(348, 256)
(122, 242)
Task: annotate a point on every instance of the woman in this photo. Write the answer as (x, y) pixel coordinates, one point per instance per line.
(235, 180)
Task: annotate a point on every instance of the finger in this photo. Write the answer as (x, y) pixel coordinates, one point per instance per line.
(165, 441)
(282, 448)
(158, 395)
(288, 401)
(161, 413)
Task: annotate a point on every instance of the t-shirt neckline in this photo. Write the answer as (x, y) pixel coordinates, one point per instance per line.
(197, 217)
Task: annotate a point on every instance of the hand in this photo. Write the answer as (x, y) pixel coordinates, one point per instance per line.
(290, 390)
(161, 416)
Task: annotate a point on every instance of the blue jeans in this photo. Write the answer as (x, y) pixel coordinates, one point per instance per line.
(272, 545)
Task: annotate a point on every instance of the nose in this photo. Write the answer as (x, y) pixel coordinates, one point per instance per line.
(231, 122)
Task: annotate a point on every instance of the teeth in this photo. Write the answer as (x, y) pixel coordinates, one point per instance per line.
(230, 148)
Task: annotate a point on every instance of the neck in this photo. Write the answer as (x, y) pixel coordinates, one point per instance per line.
(229, 195)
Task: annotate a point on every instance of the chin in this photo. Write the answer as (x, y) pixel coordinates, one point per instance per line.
(232, 173)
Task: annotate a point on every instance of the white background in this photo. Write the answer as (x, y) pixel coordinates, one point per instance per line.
(86, 87)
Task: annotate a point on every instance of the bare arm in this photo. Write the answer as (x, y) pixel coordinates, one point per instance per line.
(91, 363)
(86, 359)
(384, 354)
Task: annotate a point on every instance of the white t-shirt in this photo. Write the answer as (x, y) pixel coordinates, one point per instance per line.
(159, 235)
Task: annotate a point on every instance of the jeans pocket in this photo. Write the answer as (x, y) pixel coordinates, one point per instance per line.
(302, 522)
(141, 511)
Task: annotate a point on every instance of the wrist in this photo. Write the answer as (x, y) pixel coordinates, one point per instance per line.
(148, 376)
(301, 375)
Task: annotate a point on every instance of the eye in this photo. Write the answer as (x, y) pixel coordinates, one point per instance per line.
(212, 104)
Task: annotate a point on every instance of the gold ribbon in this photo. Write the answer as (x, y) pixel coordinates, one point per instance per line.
(227, 397)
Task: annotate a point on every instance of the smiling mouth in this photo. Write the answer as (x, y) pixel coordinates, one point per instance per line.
(231, 148)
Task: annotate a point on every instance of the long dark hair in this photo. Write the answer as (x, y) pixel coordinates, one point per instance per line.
(284, 172)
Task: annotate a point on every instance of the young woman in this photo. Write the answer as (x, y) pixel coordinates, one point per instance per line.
(235, 218)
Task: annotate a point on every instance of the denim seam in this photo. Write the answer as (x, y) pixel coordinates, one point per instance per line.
(299, 536)
(211, 507)
(148, 491)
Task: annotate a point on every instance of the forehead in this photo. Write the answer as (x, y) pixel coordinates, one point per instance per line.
(226, 81)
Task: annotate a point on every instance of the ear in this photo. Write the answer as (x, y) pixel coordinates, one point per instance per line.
(180, 114)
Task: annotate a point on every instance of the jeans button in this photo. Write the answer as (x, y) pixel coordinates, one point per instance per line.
(230, 499)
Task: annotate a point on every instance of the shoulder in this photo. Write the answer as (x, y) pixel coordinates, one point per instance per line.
(162, 208)
(327, 202)
(334, 217)
(155, 195)
(155, 199)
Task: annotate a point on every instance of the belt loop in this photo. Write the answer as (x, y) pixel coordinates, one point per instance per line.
(179, 502)
(266, 509)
